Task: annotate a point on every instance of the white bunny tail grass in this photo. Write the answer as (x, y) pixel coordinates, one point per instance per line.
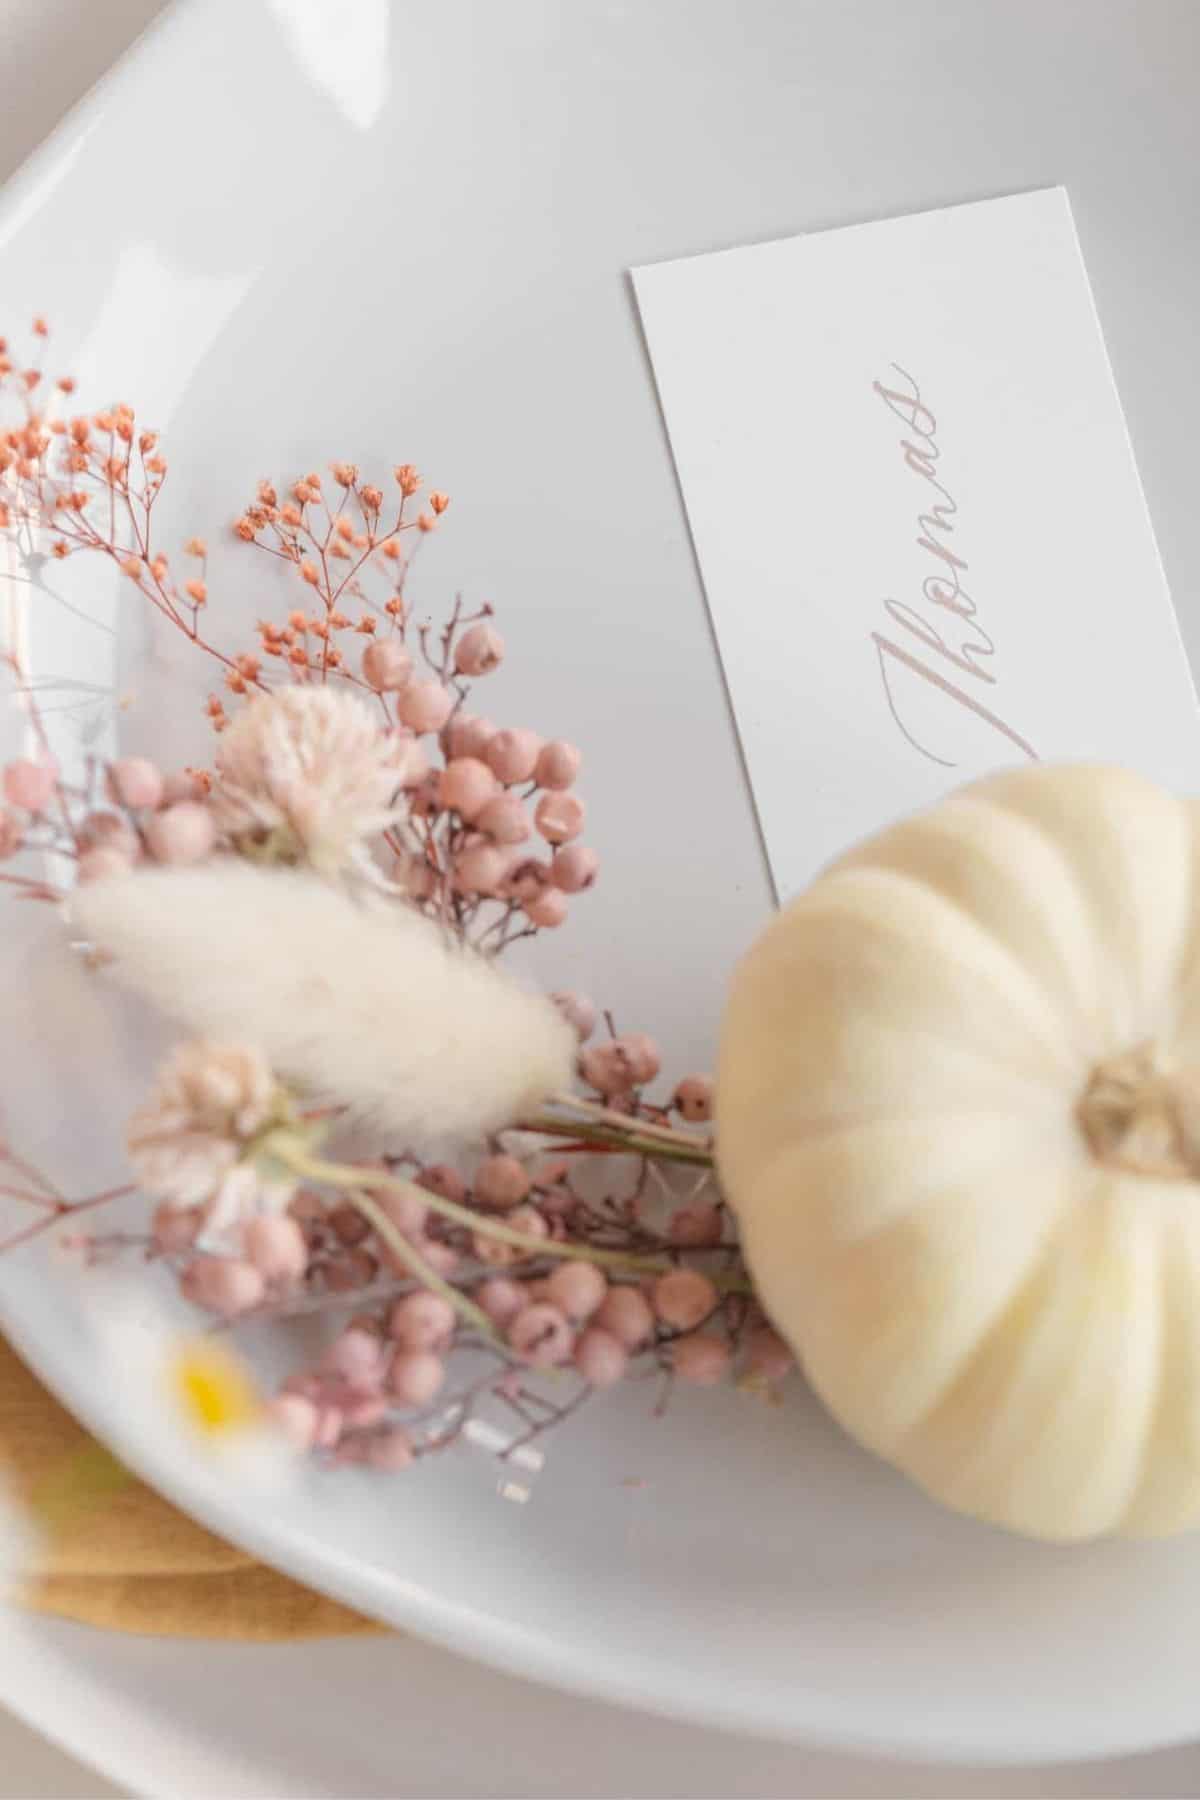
(363, 1002)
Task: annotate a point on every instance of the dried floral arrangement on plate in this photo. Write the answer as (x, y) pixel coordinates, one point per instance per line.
(956, 1102)
(492, 1195)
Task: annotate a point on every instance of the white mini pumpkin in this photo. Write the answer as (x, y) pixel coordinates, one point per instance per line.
(958, 1115)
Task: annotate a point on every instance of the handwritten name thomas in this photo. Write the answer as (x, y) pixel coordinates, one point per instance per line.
(940, 646)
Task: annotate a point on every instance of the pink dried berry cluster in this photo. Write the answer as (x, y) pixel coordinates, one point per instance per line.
(390, 1384)
(126, 813)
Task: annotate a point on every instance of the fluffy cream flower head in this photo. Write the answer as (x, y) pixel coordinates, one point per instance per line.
(306, 774)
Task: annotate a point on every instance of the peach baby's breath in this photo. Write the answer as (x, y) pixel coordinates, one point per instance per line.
(306, 773)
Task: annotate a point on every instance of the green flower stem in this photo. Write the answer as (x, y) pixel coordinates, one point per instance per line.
(346, 1176)
(637, 1139)
(626, 1122)
(400, 1247)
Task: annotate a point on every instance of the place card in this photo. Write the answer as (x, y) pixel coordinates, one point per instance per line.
(917, 516)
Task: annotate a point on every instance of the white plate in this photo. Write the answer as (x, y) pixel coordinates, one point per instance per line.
(393, 1716)
(287, 232)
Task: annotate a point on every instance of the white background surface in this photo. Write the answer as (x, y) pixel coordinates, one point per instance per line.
(932, 103)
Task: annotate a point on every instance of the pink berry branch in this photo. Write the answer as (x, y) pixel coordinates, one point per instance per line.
(563, 1255)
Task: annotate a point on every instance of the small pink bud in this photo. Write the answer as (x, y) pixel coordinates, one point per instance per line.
(415, 768)
(512, 755)
(576, 1288)
(184, 833)
(601, 1358)
(605, 1068)
(479, 650)
(558, 765)
(466, 786)
(499, 1255)
(578, 1011)
(501, 1181)
(109, 831)
(29, 785)
(500, 1298)
(11, 834)
(623, 1063)
(528, 1219)
(422, 1321)
(408, 1214)
(391, 1450)
(574, 868)
(694, 1098)
(357, 1356)
(425, 705)
(416, 1376)
(696, 1227)
(768, 1356)
(626, 1313)
(466, 735)
(481, 869)
(365, 1411)
(548, 910)
(558, 1203)
(645, 1058)
(174, 1228)
(296, 1416)
(386, 666)
(527, 879)
(444, 1179)
(504, 819)
(442, 1258)
(330, 1421)
(135, 782)
(276, 1247)
(702, 1361)
(180, 785)
(541, 1335)
(683, 1297)
(102, 864)
(559, 817)
(353, 1269)
(222, 1285)
(349, 1225)
(492, 1251)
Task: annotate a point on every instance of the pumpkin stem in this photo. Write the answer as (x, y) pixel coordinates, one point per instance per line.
(1140, 1114)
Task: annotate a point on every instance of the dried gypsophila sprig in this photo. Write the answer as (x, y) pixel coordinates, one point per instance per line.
(91, 482)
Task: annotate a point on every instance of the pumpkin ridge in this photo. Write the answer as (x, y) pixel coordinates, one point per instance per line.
(932, 900)
(1023, 1299)
(970, 801)
(1001, 793)
(1158, 1406)
(996, 1325)
(1174, 1318)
